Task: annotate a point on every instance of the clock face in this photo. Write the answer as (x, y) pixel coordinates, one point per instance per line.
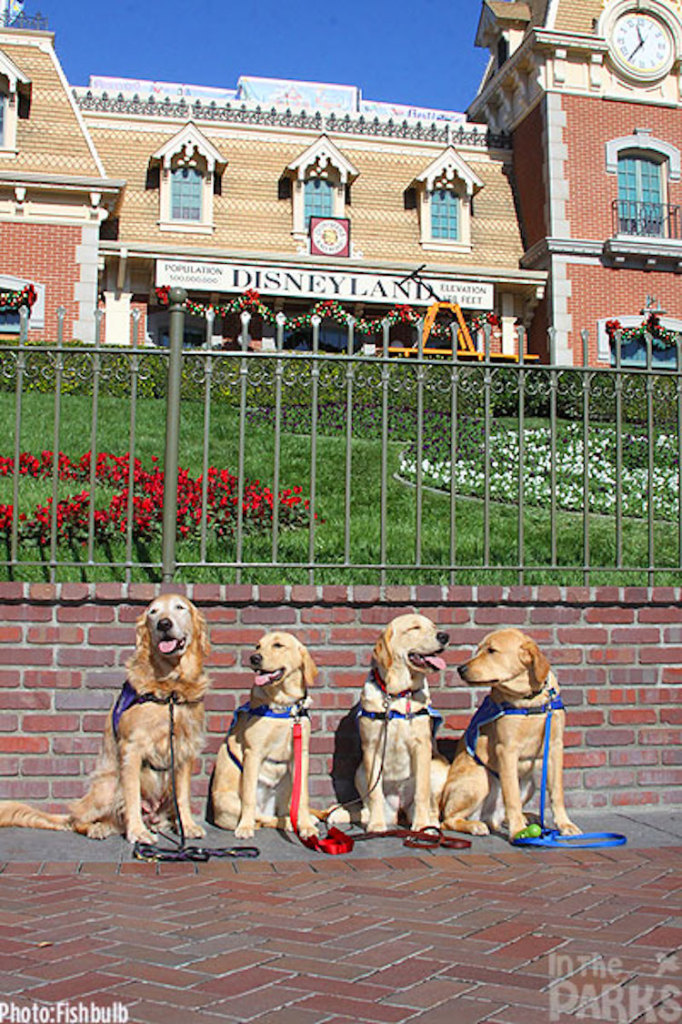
(642, 45)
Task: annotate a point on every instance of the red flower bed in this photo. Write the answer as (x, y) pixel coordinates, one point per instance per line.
(146, 504)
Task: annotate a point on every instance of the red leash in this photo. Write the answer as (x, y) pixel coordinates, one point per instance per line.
(337, 842)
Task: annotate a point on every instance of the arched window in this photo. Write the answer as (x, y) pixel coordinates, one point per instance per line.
(640, 196)
(644, 166)
(187, 184)
(318, 199)
(444, 214)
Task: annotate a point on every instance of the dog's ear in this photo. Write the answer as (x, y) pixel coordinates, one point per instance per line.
(534, 660)
(381, 655)
(200, 631)
(142, 641)
(309, 668)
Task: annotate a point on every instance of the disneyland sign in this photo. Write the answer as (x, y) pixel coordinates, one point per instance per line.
(314, 283)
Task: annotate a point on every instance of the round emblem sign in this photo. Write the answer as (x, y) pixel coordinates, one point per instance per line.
(330, 237)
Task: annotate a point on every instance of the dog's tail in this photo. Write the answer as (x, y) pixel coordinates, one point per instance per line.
(17, 815)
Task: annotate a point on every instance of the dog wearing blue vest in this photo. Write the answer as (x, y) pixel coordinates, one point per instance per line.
(401, 774)
(252, 780)
(131, 787)
(491, 777)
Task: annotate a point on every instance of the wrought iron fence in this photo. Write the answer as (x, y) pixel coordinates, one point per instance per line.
(130, 461)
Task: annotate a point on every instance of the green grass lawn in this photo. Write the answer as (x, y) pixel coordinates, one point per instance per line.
(338, 544)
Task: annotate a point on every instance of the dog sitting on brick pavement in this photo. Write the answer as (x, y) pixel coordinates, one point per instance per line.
(491, 776)
(252, 782)
(131, 786)
(401, 774)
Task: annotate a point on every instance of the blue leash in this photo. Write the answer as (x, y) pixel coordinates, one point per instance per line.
(551, 837)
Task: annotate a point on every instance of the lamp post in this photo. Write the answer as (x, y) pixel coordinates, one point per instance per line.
(177, 298)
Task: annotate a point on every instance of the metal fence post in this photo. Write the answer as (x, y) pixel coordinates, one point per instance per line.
(177, 297)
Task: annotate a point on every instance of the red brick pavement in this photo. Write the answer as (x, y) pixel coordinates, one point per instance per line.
(514, 937)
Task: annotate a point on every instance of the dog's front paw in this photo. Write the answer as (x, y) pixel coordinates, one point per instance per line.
(141, 835)
(194, 831)
(307, 831)
(376, 825)
(244, 831)
(567, 828)
(100, 830)
(423, 822)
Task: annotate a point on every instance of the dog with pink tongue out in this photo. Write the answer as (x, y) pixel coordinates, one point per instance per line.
(401, 775)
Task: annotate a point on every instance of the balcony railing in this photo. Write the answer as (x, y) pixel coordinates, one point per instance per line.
(646, 220)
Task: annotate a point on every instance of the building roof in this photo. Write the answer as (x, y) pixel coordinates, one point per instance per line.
(249, 215)
(509, 10)
(53, 138)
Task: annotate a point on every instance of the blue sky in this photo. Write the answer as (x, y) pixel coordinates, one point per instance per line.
(406, 53)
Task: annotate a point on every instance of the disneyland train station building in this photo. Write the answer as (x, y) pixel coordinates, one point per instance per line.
(553, 203)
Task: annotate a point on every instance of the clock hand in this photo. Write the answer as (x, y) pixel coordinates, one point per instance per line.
(638, 47)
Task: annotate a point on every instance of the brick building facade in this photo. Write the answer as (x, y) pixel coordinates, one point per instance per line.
(591, 93)
(555, 205)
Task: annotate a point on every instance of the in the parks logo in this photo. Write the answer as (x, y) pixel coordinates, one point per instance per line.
(329, 236)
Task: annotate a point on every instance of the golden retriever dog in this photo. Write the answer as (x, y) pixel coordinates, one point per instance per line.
(131, 786)
(491, 776)
(252, 781)
(401, 774)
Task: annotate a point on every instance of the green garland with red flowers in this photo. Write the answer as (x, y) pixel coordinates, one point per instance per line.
(15, 300)
(661, 337)
(328, 309)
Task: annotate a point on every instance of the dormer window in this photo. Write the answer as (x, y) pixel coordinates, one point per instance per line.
(189, 165)
(318, 199)
(444, 193)
(444, 214)
(320, 177)
(502, 50)
(187, 186)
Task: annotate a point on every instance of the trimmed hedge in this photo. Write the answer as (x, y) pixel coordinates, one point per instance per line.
(405, 382)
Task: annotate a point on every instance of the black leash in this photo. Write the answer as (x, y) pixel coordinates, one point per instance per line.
(151, 852)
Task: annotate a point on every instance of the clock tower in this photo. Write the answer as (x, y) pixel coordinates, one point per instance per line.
(591, 93)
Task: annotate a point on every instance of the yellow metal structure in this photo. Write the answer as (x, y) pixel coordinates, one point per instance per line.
(466, 346)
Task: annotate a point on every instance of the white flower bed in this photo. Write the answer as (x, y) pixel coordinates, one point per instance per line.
(569, 467)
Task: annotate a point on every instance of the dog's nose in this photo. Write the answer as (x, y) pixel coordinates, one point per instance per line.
(463, 669)
(443, 638)
(256, 660)
(164, 625)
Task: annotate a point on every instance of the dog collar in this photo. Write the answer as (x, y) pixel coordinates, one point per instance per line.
(378, 681)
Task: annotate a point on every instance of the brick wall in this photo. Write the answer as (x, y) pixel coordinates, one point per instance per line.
(617, 654)
(45, 253)
(613, 292)
(590, 124)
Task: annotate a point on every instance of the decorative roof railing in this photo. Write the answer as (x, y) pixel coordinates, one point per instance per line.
(446, 133)
(34, 22)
